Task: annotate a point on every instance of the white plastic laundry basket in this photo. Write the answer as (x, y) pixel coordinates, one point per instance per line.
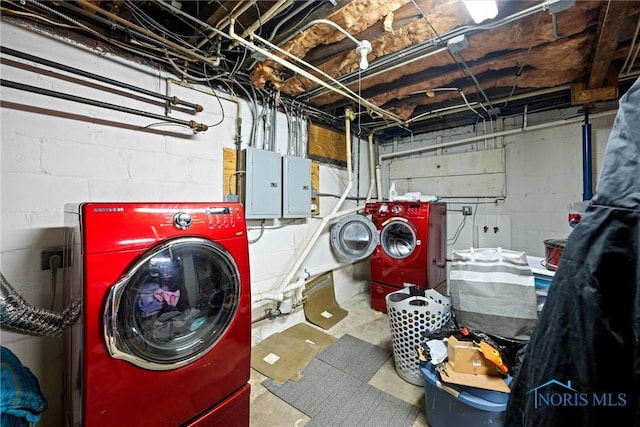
(409, 316)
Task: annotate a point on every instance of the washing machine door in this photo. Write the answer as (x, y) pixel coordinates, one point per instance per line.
(397, 238)
(173, 305)
(354, 237)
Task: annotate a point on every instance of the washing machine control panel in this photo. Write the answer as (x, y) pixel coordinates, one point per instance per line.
(408, 209)
(215, 217)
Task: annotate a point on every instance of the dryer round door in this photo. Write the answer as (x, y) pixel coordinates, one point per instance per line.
(397, 238)
(354, 237)
(173, 305)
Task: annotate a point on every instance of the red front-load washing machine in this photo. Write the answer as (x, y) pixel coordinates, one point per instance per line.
(164, 336)
(411, 249)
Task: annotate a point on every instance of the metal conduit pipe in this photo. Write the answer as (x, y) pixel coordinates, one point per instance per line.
(349, 116)
(587, 163)
(340, 89)
(461, 107)
(198, 127)
(243, 6)
(286, 284)
(231, 98)
(90, 6)
(266, 17)
(290, 15)
(172, 99)
(434, 42)
(232, 35)
(321, 21)
(381, 157)
(18, 314)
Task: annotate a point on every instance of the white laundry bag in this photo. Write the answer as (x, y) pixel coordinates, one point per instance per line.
(493, 290)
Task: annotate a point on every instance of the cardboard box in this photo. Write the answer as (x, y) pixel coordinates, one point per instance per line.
(487, 382)
(466, 358)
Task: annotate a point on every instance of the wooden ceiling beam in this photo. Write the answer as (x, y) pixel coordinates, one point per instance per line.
(613, 15)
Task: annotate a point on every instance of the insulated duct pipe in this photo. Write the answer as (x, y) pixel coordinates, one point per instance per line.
(587, 177)
(17, 314)
(198, 127)
(172, 99)
(285, 285)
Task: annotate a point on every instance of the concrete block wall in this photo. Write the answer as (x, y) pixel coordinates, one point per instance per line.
(56, 152)
(543, 178)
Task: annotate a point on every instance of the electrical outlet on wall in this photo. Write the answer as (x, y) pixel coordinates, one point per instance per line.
(45, 258)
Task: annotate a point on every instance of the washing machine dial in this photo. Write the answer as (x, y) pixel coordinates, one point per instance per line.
(396, 209)
(182, 220)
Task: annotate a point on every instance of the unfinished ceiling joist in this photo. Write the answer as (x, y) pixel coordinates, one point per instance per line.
(514, 57)
(581, 95)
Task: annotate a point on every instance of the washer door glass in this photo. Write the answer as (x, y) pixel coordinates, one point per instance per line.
(398, 240)
(173, 305)
(354, 237)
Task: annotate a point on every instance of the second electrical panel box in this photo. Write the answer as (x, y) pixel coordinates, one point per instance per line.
(296, 187)
(261, 183)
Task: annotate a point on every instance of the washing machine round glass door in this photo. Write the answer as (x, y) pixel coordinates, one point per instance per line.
(173, 305)
(354, 237)
(397, 239)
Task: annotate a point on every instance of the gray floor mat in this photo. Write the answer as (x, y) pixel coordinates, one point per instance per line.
(335, 392)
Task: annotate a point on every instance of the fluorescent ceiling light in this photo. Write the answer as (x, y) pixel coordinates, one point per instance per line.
(481, 10)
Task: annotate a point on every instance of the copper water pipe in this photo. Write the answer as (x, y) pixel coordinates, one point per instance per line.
(90, 6)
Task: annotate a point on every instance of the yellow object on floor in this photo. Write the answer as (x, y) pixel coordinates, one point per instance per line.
(321, 307)
(283, 356)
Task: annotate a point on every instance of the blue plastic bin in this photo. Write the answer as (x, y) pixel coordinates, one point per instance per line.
(542, 289)
(452, 405)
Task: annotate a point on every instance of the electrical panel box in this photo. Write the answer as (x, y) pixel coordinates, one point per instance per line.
(296, 188)
(261, 183)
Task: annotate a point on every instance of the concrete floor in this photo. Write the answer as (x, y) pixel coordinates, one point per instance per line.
(362, 322)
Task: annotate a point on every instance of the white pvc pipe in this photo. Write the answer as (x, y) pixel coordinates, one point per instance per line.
(318, 231)
(269, 295)
(493, 135)
(371, 168)
(286, 285)
(379, 182)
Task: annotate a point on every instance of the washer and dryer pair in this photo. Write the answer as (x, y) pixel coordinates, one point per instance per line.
(164, 336)
(406, 242)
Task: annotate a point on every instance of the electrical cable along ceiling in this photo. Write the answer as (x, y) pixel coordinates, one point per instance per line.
(416, 65)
